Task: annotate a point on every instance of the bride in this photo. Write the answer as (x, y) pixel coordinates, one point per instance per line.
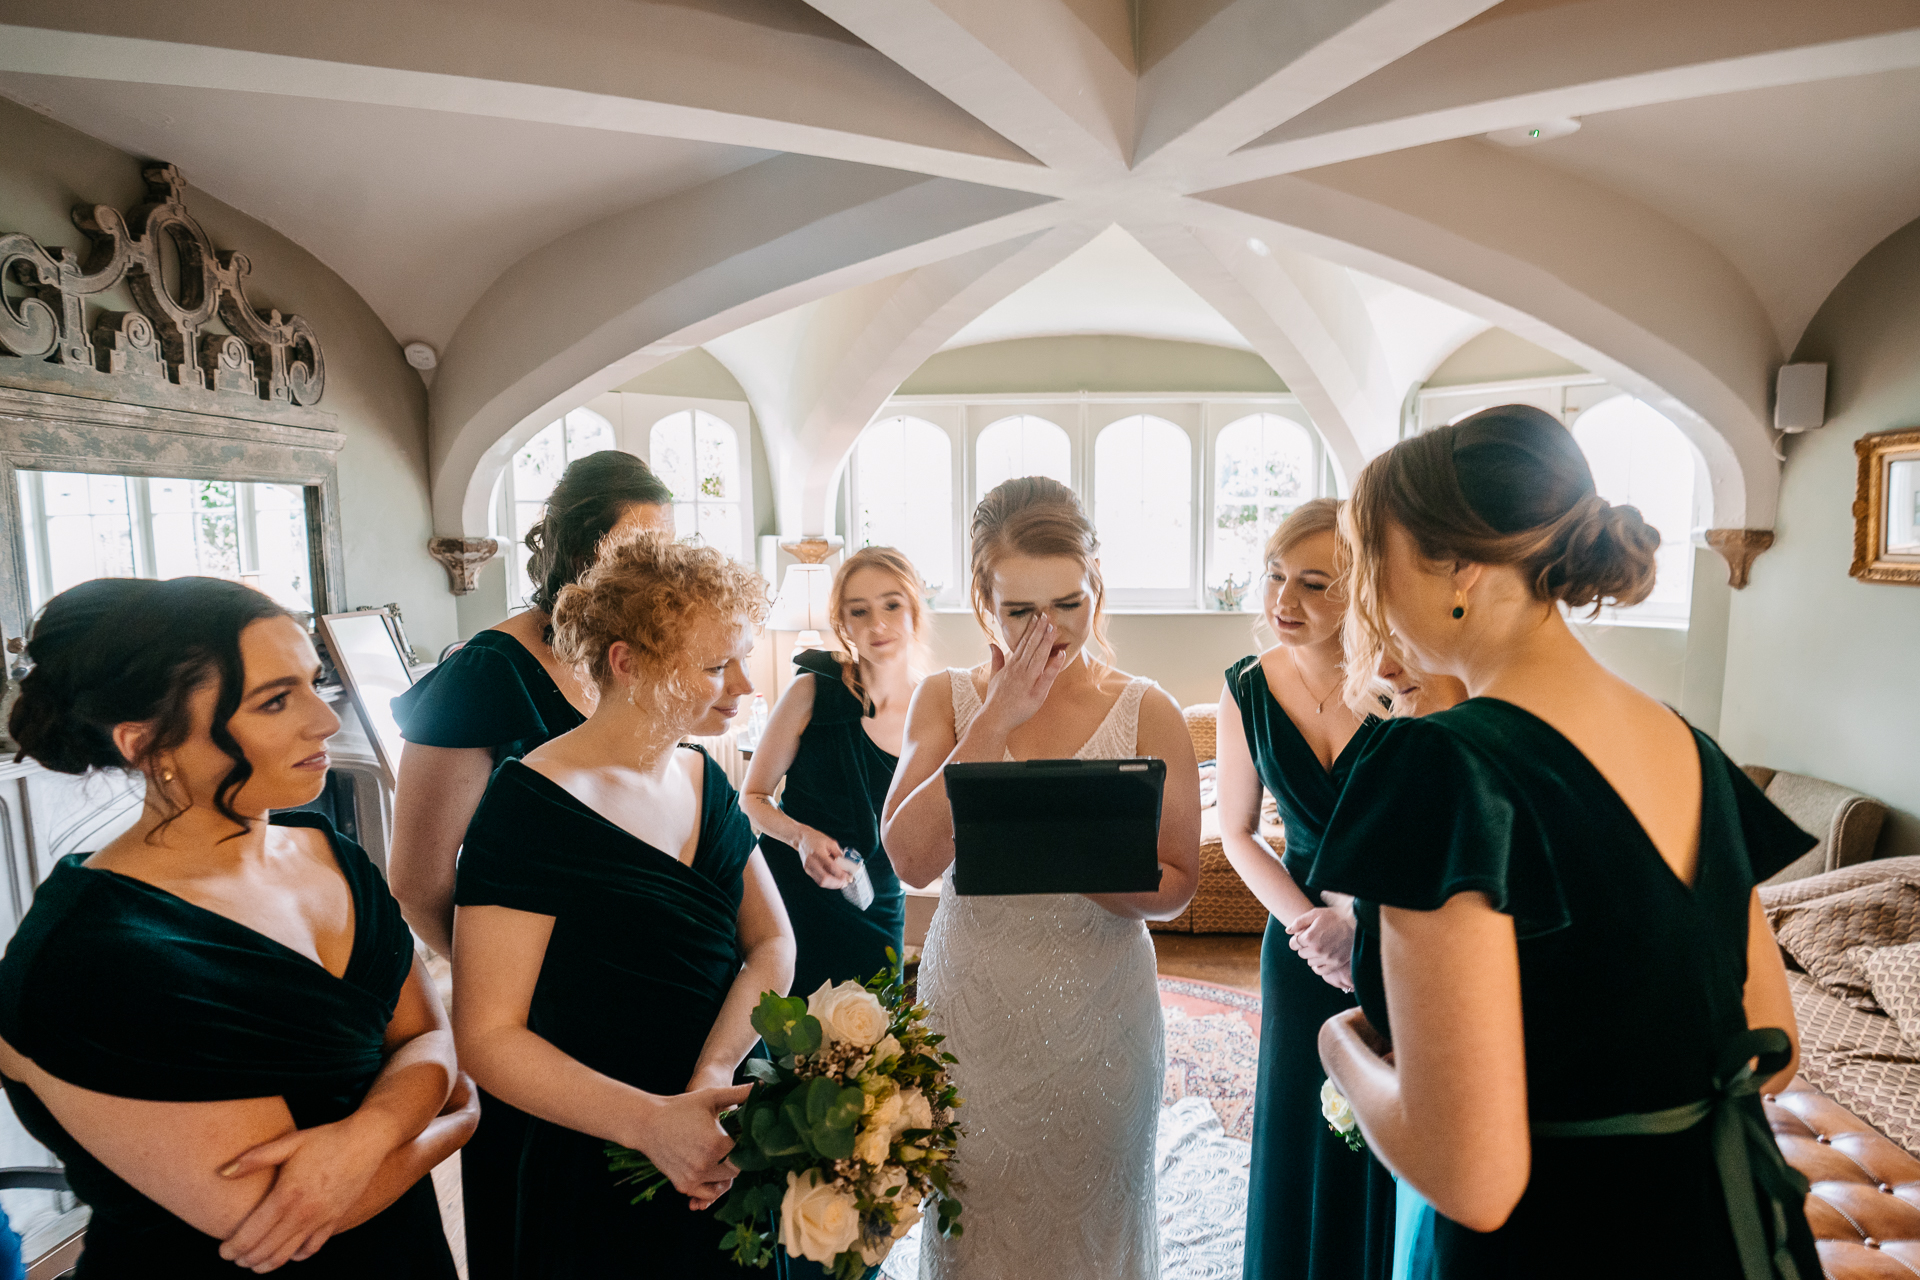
(1048, 1001)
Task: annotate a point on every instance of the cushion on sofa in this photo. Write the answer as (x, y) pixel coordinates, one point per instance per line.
(1790, 892)
(1859, 1058)
(1894, 975)
(1826, 934)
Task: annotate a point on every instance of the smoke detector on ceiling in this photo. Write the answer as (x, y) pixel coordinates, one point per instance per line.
(1539, 131)
(420, 355)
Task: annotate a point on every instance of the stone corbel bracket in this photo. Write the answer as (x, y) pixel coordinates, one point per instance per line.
(462, 558)
(1739, 548)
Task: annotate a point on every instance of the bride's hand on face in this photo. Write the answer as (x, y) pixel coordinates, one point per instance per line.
(1020, 681)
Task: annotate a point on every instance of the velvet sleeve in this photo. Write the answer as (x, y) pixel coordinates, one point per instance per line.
(476, 698)
(1772, 839)
(509, 856)
(833, 702)
(1426, 815)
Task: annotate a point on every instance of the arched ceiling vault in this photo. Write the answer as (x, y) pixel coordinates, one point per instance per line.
(855, 181)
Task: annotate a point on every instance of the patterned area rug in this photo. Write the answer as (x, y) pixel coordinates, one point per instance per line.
(1213, 1050)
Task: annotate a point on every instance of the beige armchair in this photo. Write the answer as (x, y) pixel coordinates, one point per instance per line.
(1222, 903)
(1847, 822)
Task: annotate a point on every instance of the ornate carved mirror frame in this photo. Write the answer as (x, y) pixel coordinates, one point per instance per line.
(160, 391)
(1873, 515)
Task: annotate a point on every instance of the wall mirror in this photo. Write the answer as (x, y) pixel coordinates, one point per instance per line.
(75, 526)
(1886, 508)
(367, 654)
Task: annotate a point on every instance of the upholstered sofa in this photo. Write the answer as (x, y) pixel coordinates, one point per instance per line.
(1850, 1121)
(1222, 903)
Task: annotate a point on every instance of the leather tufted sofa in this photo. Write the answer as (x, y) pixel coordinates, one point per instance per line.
(1864, 1206)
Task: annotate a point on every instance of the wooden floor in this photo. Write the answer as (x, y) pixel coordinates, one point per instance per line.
(1229, 959)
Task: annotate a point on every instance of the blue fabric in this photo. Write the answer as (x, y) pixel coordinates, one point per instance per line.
(1412, 1234)
(11, 1267)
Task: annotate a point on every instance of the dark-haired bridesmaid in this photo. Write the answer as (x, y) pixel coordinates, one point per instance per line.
(217, 1022)
(1565, 950)
(616, 926)
(496, 698)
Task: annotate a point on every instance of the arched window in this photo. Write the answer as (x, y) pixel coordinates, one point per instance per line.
(903, 494)
(536, 469)
(1641, 459)
(1020, 446)
(1263, 469)
(1143, 504)
(698, 456)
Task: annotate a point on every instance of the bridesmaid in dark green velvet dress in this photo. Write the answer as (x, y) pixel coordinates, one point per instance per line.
(496, 698)
(1315, 1208)
(1582, 995)
(616, 926)
(837, 750)
(217, 1022)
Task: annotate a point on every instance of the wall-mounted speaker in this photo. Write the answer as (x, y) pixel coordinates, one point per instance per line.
(1800, 398)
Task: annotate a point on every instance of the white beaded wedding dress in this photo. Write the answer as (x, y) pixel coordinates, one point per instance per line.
(1051, 1005)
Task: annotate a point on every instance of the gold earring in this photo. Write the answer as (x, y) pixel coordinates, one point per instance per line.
(166, 775)
(1459, 605)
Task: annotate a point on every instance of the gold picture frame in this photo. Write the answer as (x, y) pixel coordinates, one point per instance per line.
(1886, 508)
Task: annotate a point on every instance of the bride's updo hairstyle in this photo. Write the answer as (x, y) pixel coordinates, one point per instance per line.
(119, 650)
(592, 495)
(1505, 486)
(651, 592)
(1038, 517)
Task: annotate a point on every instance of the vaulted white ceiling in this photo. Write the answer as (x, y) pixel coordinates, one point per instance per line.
(825, 193)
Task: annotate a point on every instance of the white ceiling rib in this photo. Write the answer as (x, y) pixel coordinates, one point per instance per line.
(952, 171)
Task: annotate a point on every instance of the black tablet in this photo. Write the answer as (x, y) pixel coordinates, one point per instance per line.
(1056, 826)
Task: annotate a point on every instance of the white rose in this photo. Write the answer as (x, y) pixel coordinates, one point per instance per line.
(848, 1013)
(917, 1112)
(906, 1203)
(819, 1221)
(887, 1048)
(872, 1145)
(886, 1113)
(1334, 1106)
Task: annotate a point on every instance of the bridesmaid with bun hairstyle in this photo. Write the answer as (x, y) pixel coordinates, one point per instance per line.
(496, 698)
(1562, 944)
(217, 1022)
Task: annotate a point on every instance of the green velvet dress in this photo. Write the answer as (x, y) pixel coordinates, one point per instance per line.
(836, 784)
(643, 952)
(491, 693)
(1632, 981)
(1315, 1209)
(116, 985)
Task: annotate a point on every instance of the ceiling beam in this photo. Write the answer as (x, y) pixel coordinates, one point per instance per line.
(1305, 318)
(1056, 79)
(597, 307)
(1579, 269)
(1255, 64)
(818, 379)
(1576, 60)
(645, 68)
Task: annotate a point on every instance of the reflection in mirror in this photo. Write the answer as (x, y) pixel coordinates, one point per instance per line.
(375, 672)
(78, 526)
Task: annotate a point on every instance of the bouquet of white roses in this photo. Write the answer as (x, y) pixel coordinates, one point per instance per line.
(846, 1136)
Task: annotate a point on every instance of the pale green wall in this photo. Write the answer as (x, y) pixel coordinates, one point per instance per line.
(694, 374)
(1823, 671)
(47, 168)
(1499, 356)
(1107, 363)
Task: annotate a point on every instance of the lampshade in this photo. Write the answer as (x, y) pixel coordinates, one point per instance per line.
(802, 603)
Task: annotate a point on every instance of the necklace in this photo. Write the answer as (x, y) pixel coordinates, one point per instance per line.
(1321, 707)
